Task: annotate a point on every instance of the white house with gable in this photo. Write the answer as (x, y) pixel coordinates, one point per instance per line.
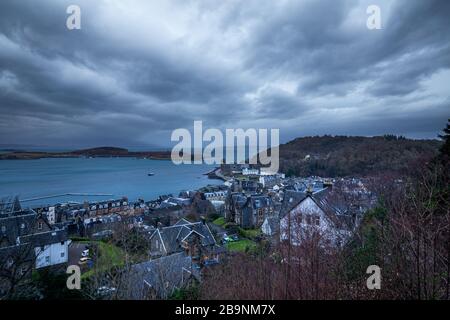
(310, 216)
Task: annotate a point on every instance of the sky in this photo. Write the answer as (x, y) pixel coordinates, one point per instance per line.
(137, 70)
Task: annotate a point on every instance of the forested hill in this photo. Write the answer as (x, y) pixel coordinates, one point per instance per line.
(333, 156)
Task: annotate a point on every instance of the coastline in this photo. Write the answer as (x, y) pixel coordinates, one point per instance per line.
(216, 173)
(89, 153)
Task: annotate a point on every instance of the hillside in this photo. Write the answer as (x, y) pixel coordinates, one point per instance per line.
(333, 156)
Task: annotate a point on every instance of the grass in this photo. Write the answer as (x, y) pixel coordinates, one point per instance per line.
(241, 245)
(219, 222)
(108, 256)
(250, 233)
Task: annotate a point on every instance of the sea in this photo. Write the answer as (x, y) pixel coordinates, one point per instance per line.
(60, 180)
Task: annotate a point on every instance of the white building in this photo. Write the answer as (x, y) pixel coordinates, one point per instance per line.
(54, 253)
(250, 172)
(308, 217)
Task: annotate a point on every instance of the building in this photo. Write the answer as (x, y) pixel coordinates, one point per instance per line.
(250, 171)
(159, 278)
(248, 211)
(215, 195)
(306, 214)
(193, 238)
(27, 228)
(108, 207)
(271, 226)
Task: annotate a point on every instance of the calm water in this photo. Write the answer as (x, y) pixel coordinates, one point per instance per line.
(117, 176)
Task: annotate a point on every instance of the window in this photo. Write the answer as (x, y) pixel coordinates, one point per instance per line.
(317, 220)
(62, 243)
(3, 228)
(23, 270)
(308, 219)
(9, 262)
(63, 254)
(47, 259)
(40, 225)
(22, 226)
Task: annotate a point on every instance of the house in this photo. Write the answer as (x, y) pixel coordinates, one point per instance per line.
(232, 169)
(108, 207)
(250, 172)
(51, 248)
(248, 211)
(307, 214)
(215, 195)
(271, 226)
(159, 278)
(8, 205)
(27, 228)
(270, 181)
(179, 201)
(234, 203)
(246, 186)
(193, 238)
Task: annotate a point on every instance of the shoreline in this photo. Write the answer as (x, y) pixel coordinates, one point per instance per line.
(216, 174)
(102, 152)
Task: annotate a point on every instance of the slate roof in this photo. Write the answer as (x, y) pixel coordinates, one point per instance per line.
(260, 201)
(337, 214)
(7, 206)
(173, 236)
(291, 199)
(16, 225)
(19, 227)
(274, 223)
(238, 200)
(162, 275)
(47, 237)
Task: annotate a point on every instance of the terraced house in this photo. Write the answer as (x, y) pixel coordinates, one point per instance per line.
(248, 211)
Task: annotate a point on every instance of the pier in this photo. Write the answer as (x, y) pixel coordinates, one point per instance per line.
(69, 194)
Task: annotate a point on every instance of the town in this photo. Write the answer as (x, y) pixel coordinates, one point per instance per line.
(154, 249)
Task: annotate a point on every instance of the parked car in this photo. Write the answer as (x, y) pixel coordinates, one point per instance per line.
(105, 291)
(84, 260)
(210, 262)
(85, 253)
(232, 238)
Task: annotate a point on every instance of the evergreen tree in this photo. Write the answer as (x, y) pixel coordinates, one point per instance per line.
(445, 149)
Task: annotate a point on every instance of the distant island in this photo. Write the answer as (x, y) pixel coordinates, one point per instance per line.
(93, 152)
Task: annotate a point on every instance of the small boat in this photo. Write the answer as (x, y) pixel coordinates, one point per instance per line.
(151, 174)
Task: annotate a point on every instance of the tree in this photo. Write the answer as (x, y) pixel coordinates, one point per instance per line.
(445, 149)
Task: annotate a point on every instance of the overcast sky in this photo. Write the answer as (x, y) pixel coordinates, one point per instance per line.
(139, 69)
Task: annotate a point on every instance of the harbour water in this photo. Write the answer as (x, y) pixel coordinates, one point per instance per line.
(105, 177)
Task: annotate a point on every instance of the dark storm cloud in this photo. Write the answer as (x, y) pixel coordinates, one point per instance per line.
(136, 71)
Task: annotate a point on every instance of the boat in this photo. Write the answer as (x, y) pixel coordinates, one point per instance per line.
(151, 174)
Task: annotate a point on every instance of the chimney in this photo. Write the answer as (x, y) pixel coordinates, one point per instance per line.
(309, 191)
(327, 183)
